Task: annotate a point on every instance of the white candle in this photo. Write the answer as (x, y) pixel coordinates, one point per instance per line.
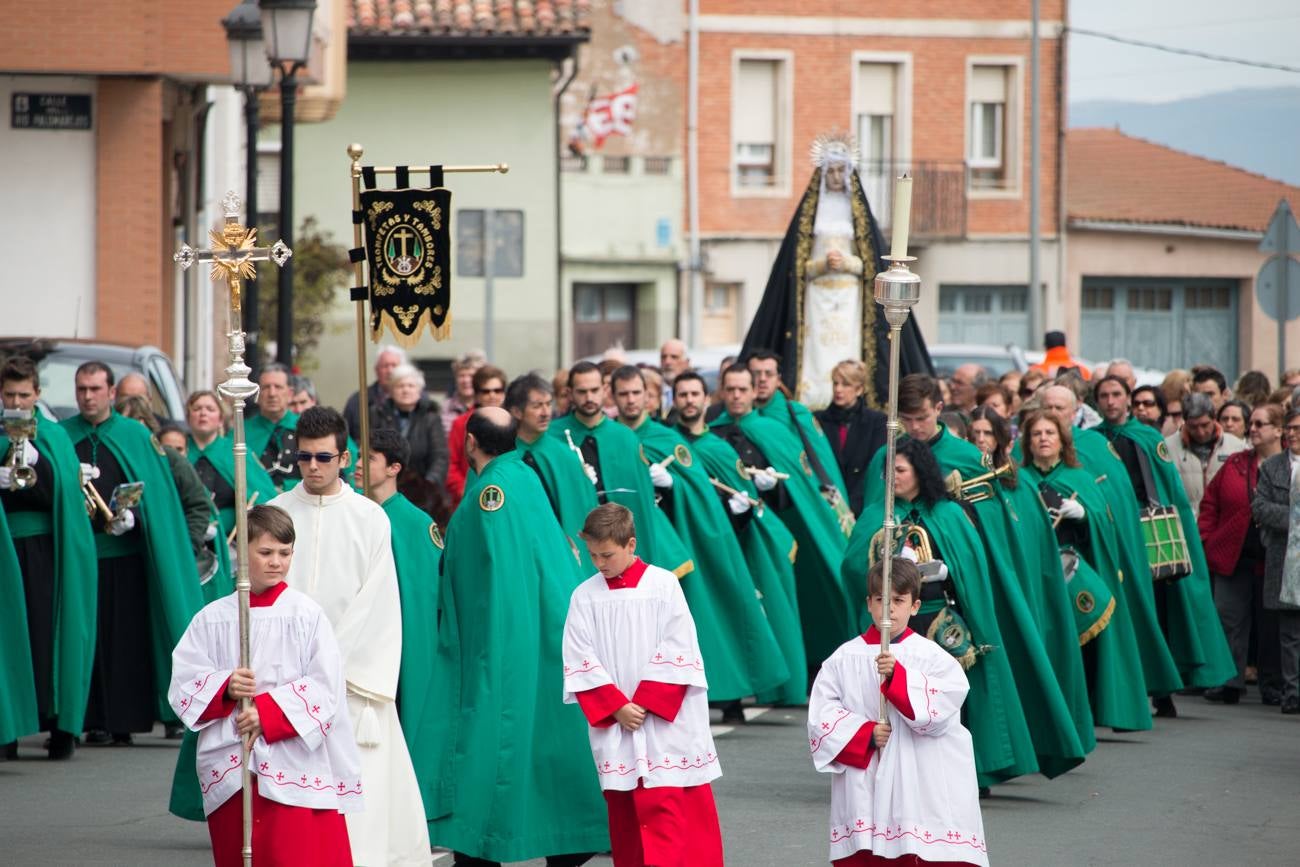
(902, 214)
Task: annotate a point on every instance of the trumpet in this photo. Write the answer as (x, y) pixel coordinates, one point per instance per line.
(95, 504)
(19, 426)
(978, 488)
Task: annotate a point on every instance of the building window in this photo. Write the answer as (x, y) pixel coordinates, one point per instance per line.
(1098, 298)
(616, 165)
(500, 231)
(989, 118)
(757, 123)
(875, 113)
(573, 163)
(658, 165)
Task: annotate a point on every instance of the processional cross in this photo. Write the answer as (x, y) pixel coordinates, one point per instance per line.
(234, 257)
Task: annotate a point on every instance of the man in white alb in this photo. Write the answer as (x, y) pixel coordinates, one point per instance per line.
(344, 561)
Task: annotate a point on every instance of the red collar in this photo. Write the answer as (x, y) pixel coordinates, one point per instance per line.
(630, 578)
(267, 598)
(872, 635)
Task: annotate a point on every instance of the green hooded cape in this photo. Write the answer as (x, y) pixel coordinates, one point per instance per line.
(571, 494)
(174, 593)
(1026, 564)
(1004, 747)
(736, 641)
(825, 610)
(521, 774)
(17, 679)
(780, 408)
(1195, 632)
(76, 589)
(627, 482)
(769, 550)
(1118, 693)
(1160, 672)
(417, 551)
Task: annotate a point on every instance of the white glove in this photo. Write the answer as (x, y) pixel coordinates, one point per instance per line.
(88, 472)
(123, 524)
(738, 504)
(764, 480)
(30, 454)
(1072, 510)
(210, 533)
(909, 553)
(6, 478)
(590, 472)
(934, 568)
(660, 477)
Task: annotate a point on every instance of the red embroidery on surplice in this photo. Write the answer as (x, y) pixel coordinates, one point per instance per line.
(669, 764)
(827, 728)
(586, 667)
(896, 832)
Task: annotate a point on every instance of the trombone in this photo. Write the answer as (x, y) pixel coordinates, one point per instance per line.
(19, 426)
(979, 488)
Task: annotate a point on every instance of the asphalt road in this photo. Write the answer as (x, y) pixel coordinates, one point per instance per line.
(1219, 785)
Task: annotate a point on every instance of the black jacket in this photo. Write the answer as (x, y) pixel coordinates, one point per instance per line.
(865, 434)
(424, 432)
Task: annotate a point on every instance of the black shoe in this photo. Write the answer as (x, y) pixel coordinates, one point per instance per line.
(1272, 699)
(985, 791)
(98, 738)
(11, 751)
(1165, 707)
(173, 732)
(733, 714)
(1223, 695)
(62, 745)
(1291, 706)
(123, 739)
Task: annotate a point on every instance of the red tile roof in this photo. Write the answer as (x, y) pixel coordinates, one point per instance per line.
(1115, 177)
(521, 18)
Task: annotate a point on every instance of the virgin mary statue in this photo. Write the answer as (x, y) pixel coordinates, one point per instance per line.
(818, 308)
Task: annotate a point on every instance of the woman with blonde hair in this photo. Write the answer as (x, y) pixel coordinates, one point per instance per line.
(855, 430)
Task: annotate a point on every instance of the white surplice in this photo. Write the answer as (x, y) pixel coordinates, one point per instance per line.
(343, 559)
(919, 794)
(295, 659)
(629, 635)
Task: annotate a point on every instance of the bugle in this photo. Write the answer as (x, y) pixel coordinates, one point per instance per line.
(979, 488)
(19, 426)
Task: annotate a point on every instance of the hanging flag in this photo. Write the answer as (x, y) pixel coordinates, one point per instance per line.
(611, 115)
(408, 247)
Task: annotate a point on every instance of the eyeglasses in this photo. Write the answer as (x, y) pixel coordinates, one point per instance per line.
(1293, 428)
(1175, 413)
(1255, 424)
(1147, 404)
(318, 457)
(490, 391)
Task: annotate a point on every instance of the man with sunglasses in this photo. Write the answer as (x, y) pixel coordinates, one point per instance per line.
(343, 559)
(489, 390)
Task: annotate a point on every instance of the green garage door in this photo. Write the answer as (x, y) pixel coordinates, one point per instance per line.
(1163, 324)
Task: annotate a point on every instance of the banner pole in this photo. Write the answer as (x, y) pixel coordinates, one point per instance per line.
(358, 272)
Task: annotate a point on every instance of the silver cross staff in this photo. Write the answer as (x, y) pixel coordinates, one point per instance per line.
(233, 256)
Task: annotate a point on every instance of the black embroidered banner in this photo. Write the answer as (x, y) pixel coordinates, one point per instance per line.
(408, 246)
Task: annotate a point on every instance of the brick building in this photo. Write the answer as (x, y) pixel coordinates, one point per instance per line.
(102, 163)
(937, 89)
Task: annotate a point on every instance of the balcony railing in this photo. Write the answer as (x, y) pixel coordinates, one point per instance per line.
(938, 196)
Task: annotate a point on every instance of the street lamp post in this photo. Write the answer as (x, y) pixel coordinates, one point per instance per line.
(287, 28)
(250, 72)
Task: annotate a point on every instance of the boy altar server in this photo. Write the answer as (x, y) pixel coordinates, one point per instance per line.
(904, 788)
(629, 632)
(306, 770)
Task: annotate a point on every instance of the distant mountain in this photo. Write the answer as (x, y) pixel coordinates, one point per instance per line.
(1257, 130)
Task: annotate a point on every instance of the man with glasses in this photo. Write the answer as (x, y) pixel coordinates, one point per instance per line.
(489, 390)
(962, 386)
(1184, 606)
(343, 559)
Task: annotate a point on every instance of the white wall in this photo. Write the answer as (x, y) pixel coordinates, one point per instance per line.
(47, 220)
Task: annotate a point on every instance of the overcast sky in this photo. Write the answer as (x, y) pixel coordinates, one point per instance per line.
(1262, 30)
